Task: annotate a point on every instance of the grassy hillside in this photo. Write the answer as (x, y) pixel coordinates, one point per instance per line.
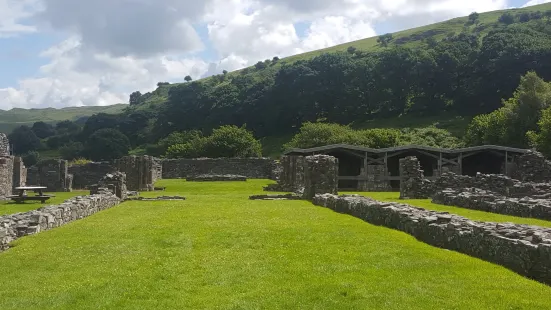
(17, 117)
(415, 37)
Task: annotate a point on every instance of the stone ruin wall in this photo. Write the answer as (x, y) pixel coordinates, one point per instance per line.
(6, 176)
(53, 174)
(141, 171)
(521, 248)
(88, 174)
(375, 182)
(413, 184)
(4, 145)
(112, 182)
(19, 173)
(18, 225)
(321, 176)
(533, 167)
(252, 168)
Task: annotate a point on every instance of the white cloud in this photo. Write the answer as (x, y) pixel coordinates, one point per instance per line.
(118, 46)
(535, 2)
(12, 12)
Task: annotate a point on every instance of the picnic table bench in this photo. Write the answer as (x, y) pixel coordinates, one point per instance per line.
(21, 197)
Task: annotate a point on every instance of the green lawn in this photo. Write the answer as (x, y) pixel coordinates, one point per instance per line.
(218, 250)
(8, 207)
(468, 213)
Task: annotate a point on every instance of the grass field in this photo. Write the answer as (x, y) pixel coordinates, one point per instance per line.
(8, 207)
(468, 213)
(218, 250)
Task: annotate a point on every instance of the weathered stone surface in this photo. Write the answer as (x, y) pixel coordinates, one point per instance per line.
(141, 171)
(216, 178)
(533, 167)
(19, 172)
(321, 175)
(252, 168)
(6, 176)
(52, 173)
(89, 174)
(4, 145)
(19, 225)
(112, 182)
(477, 199)
(522, 248)
(276, 197)
(375, 175)
(291, 175)
(413, 184)
(160, 198)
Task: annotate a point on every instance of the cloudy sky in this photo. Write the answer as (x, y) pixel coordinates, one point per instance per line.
(59, 53)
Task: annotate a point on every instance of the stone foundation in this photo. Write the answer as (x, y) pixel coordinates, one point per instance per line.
(216, 178)
(252, 168)
(321, 175)
(276, 197)
(19, 225)
(521, 248)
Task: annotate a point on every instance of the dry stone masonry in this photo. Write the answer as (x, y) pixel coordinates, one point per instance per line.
(478, 199)
(533, 167)
(4, 145)
(19, 172)
(89, 174)
(321, 175)
(291, 175)
(215, 177)
(521, 248)
(252, 168)
(19, 225)
(6, 176)
(53, 174)
(112, 182)
(141, 171)
(413, 185)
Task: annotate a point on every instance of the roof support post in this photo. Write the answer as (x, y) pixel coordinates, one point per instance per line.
(460, 160)
(440, 165)
(506, 163)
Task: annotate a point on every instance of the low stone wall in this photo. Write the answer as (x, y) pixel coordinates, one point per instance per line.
(252, 168)
(19, 225)
(88, 174)
(521, 248)
(496, 183)
(533, 167)
(477, 199)
(215, 178)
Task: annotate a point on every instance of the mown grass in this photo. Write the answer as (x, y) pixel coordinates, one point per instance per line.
(9, 207)
(468, 213)
(218, 250)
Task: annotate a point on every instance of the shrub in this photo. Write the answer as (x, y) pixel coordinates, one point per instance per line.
(430, 136)
(80, 161)
(107, 144)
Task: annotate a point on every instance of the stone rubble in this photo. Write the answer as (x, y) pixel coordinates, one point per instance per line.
(522, 248)
(159, 198)
(478, 199)
(276, 197)
(18, 225)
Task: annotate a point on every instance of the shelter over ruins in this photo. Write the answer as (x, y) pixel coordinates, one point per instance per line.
(362, 168)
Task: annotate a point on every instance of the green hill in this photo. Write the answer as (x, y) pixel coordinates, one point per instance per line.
(17, 117)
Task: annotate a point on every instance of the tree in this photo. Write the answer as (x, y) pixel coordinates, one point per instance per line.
(276, 59)
(232, 141)
(107, 144)
(135, 98)
(351, 50)
(385, 39)
(225, 72)
(71, 150)
(31, 158)
(162, 84)
(507, 18)
(188, 78)
(524, 17)
(43, 130)
(67, 127)
(473, 17)
(24, 140)
(260, 65)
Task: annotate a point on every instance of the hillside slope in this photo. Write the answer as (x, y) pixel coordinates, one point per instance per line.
(17, 117)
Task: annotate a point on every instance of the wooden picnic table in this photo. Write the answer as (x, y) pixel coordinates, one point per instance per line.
(22, 194)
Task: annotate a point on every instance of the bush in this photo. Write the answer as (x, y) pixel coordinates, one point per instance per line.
(72, 150)
(320, 134)
(430, 136)
(226, 141)
(80, 161)
(107, 144)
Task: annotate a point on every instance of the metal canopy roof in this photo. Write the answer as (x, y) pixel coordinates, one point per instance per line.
(405, 148)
